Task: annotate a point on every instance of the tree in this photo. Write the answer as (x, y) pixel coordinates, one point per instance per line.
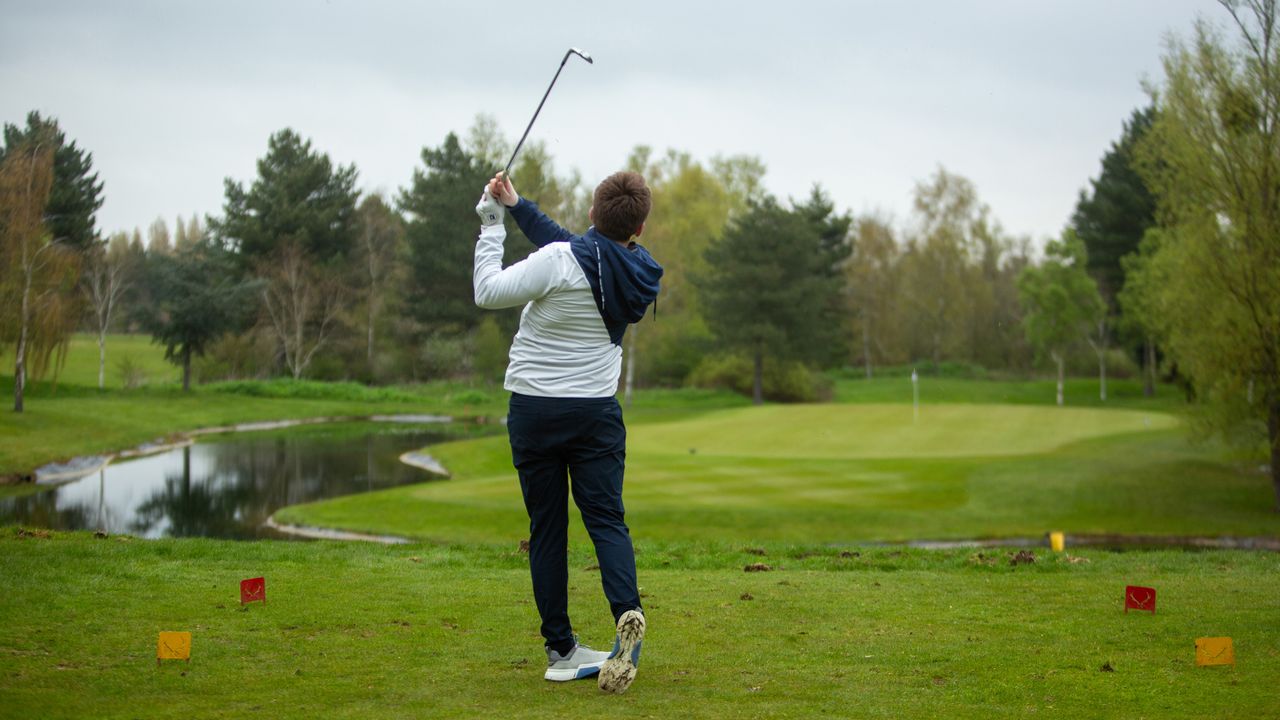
(298, 196)
(37, 272)
(1061, 300)
(380, 249)
(195, 233)
(871, 285)
(486, 143)
(938, 269)
(1212, 157)
(766, 289)
(441, 234)
(1111, 222)
(302, 302)
(490, 350)
(1136, 303)
(105, 281)
(158, 238)
(1112, 218)
(195, 297)
(691, 206)
(75, 194)
(832, 229)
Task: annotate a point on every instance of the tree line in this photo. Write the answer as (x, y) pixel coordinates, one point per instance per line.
(1169, 266)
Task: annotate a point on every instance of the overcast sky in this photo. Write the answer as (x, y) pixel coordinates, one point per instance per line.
(866, 98)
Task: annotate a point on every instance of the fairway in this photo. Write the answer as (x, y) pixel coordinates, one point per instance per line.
(888, 431)
(81, 368)
(853, 473)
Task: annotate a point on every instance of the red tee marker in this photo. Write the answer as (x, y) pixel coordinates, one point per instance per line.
(252, 590)
(1137, 597)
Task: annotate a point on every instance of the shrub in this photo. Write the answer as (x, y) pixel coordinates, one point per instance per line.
(783, 381)
(945, 369)
(489, 356)
(235, 356)
(131, 374)
(442, 358)
(310, 390)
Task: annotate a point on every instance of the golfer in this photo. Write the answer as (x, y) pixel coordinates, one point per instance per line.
(579, 293)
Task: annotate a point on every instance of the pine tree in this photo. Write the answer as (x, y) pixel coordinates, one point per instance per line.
(1112, 218)
(194, 298)
(298, 196)
(766, 291)
(441, 233)
(76, 193)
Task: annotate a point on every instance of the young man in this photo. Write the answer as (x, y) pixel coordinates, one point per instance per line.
(579, 293)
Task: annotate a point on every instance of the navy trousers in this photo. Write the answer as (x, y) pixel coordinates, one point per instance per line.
(553, 440)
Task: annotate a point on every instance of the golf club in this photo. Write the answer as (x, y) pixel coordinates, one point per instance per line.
(572, 51)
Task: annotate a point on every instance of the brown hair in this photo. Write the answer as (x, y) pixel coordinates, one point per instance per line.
(620, 205)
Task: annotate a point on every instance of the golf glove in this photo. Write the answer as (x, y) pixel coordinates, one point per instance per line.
(490, 211)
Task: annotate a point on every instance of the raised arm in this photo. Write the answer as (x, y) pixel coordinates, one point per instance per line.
(496, 288)
(540, 229)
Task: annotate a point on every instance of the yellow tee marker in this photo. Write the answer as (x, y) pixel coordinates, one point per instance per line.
(173, 646)
(1056, 541)
(1215, 651)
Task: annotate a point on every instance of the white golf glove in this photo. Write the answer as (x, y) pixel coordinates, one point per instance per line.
(490, 211)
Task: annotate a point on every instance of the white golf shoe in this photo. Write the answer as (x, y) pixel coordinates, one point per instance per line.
(620, 669)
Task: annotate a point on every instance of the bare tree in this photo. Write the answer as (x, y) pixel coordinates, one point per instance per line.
(870, 284)
(302, 303)
(381, 245)
(105, 280)
(1099, 339)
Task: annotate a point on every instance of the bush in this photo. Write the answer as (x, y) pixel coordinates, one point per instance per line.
(235, 356)
(489, 355)
(1084, 363)
(783, 381)
(442, 358)
(924, 368)
(310, 390)
(131, 374)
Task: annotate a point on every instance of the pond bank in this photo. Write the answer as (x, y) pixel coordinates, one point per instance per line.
(78, 467)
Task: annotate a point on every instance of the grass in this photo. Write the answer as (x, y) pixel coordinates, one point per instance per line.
(743, 488)
(81, 368)
(887, 431)
(835, 628)
(1077, 392)
(360, 631)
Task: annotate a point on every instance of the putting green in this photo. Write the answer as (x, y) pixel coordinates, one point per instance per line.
(888, 431)
(847, 473)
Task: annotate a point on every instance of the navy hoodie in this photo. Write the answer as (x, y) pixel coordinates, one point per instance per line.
(624, 280)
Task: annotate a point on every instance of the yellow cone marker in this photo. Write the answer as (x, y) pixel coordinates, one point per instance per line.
(173, 646)
(1215, 651)
(1056, 541)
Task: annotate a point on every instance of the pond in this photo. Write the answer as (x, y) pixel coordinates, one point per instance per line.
(227, 486)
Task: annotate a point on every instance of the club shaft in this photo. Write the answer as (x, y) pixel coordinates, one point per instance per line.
(507, 171)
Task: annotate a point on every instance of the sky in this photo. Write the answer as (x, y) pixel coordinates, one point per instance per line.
(1023, 97)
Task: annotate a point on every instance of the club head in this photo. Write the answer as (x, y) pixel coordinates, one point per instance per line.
(582, 54)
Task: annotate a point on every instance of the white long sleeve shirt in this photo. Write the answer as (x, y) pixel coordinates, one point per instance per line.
(562, 348)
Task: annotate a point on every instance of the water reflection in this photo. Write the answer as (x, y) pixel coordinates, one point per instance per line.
(226, 487)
